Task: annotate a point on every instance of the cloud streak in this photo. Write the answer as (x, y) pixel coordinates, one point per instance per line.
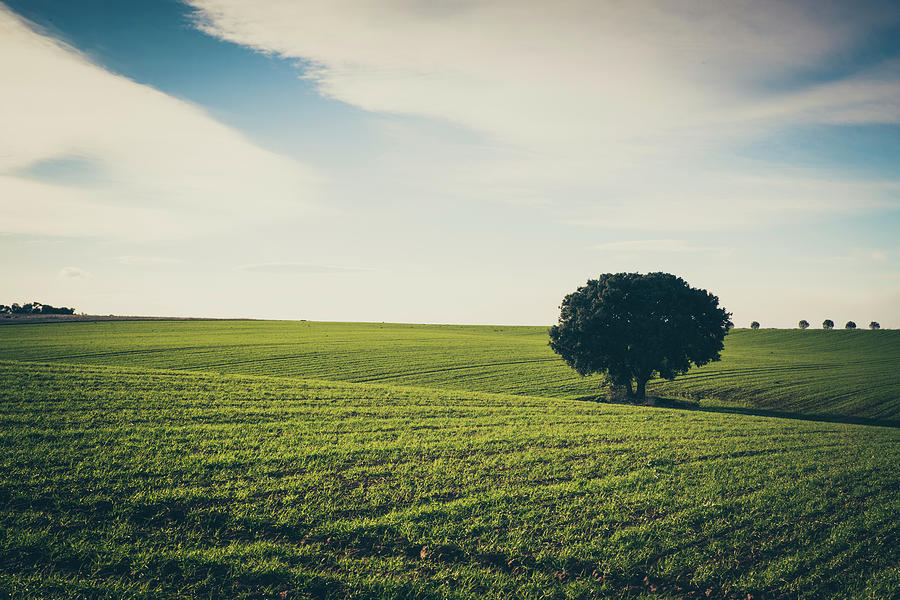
(295, 268)
(633, 105)
(161, 167)
(147, 260)
(657, 246)
(72, 273)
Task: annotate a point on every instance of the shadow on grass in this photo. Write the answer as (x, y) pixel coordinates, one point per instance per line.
(681, 404)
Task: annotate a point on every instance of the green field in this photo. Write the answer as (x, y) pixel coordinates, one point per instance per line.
(838, 373)
(311, 460)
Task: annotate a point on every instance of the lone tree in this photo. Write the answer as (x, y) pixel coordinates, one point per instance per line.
(874, 325)
(850, 325)
(827, 324)
(754, 325)
(803, 324)
(632, 326)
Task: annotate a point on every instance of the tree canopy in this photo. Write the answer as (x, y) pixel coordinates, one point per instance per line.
(631, 327)
(874, 325)
(827, 324)
(34, 308)
(850, 325)
(754, 325)
(803, 324)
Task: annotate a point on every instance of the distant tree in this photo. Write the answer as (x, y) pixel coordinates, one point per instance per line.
(874, 325)
(35, 308)
(803, 324)
(47, 309)
(827, 324)
(754, 325)
(631, 326)
(850, 325)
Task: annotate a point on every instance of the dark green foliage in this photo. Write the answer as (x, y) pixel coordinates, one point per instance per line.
(803, 324)
(827, 324)
(874, 325)
(754, 325)
(631, 327)
(35, 308)
(850, 325)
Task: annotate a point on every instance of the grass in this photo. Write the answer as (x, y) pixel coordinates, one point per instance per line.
(126, 482)
(822, 373)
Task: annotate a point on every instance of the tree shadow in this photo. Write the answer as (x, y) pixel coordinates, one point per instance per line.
(682, 404)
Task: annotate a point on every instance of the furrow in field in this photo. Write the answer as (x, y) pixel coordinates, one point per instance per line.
(504, 495)
(840, 373)
(453, 368)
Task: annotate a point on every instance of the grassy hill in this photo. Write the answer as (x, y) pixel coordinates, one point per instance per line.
(836, 373)
(133, 483)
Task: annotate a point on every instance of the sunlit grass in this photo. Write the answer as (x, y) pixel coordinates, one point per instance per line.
(150, 484)
(844, 373)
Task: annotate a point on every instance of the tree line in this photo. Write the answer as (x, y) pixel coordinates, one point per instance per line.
(35, 308)
(826, 324)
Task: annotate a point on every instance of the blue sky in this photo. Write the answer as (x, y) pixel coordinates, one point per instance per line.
(454, 162)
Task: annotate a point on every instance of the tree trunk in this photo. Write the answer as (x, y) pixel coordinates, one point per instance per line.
(641, 393)
(629, 390)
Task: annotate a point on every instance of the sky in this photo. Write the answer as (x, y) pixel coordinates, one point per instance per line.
(448, 162)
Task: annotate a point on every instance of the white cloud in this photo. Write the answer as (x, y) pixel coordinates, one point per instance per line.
(585, 68)
(658, 246)
(295, 268)
(165, 168)
(856, 257)
(871, 96)
(629, 103)
(712, 201)
(72, 273)
(147, 260)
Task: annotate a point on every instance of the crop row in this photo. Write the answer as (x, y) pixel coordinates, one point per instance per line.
(150, 484)
(848, 373)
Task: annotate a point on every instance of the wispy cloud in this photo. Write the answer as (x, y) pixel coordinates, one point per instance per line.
(147, 260)
(630, 107)
(857, 256)
(296, 268)
(72, 273)
(585, 68)
(160, 167)
(658, 246)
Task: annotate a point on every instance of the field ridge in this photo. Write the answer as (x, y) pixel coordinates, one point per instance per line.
(829, 374)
